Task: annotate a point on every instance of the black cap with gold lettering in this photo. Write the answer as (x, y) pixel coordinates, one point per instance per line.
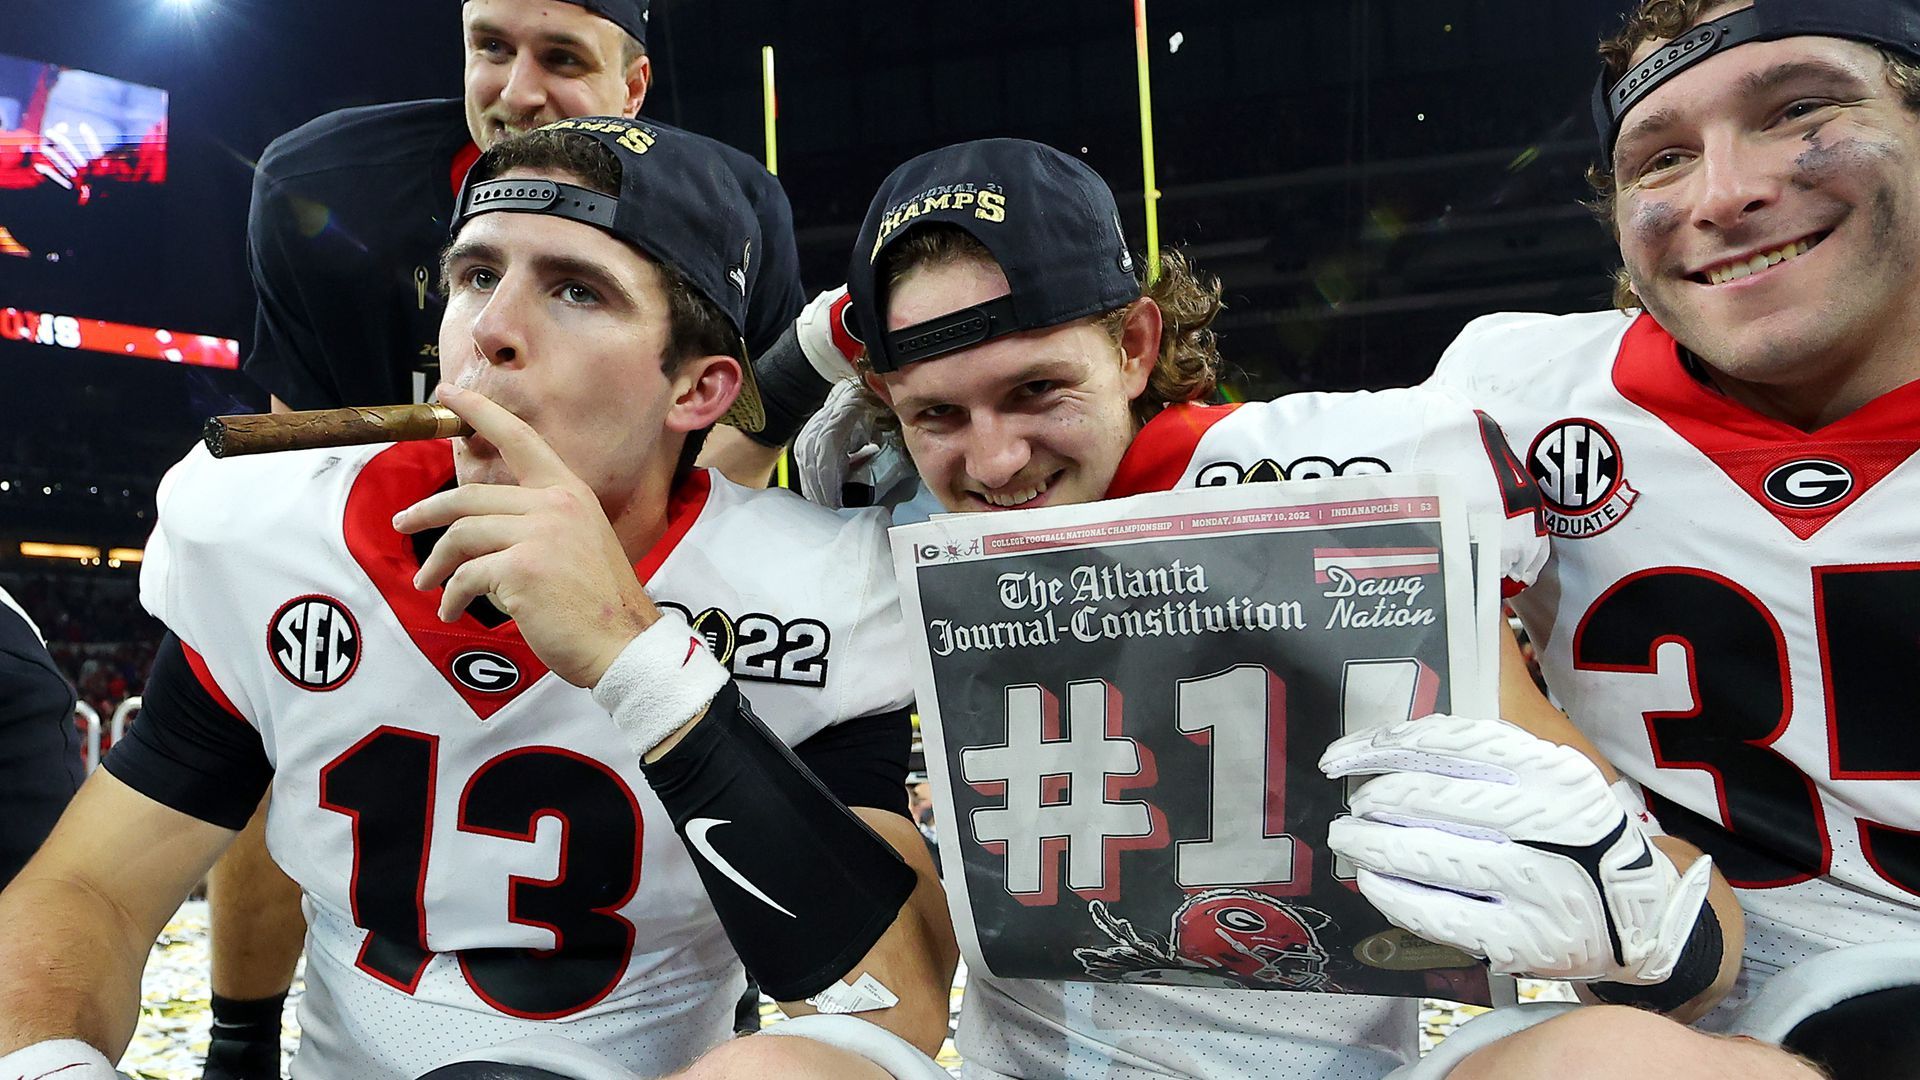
(1048, 219)
(678, 203)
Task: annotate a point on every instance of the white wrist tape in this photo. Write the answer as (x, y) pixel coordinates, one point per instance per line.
(864, 994)
(68, 1059)
(661, 680)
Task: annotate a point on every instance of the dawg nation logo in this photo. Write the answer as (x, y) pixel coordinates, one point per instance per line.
(989, 203)
(1577, 465)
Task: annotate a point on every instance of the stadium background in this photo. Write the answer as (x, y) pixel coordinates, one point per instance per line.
(1365, 176)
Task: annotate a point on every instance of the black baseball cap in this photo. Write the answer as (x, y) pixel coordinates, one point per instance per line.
(1894, 24)
(628, 15)
(678, 203)
(1048, 219)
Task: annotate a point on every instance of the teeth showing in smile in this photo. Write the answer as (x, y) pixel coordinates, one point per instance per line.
(1735, 271)
(1012, 498)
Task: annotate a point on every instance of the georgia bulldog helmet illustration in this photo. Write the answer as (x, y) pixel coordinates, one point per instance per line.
(1221, 937)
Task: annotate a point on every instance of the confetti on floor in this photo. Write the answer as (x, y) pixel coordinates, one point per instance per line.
(171, 1041)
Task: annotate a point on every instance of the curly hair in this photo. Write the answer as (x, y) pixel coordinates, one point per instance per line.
(1663, 20)
(1189, 364)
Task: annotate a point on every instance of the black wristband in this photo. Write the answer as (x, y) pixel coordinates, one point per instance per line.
(1697, 968)
(790, 389)
(803, 887)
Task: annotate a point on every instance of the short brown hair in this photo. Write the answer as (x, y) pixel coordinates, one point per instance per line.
(1663, 20)
(695, 325)
(1189, 365)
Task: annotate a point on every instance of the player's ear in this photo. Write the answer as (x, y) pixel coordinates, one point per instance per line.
(1139, 345)
(878, 385)
(703, 390)
(639, 79)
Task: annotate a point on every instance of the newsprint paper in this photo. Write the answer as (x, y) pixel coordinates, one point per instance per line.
(1123, 704)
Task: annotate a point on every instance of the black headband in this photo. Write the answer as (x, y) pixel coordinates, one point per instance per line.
(1894, 24)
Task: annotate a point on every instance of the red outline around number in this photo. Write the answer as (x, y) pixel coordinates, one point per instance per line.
(1693, 689)
(1820, 574)
(514, 881)
(426, 847)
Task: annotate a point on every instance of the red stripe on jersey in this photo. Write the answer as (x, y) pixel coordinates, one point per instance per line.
(683, 509)
(402, 475)
(1164, 448)
(199, 666)
(462, 164)
(1868, 444)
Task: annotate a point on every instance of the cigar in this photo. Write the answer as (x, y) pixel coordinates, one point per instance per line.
(260, 433)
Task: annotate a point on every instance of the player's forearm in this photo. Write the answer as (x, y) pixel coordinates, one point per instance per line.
(1522, 704)
(70, 964)
(915, 958)
(1732, 920)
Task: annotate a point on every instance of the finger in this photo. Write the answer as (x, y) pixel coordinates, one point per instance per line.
(526, 454)
(1433, 859)
(1467, 747)
(475, 578)
(467, 500)
(469, 538)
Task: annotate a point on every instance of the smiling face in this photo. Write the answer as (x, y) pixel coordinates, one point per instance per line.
(565, 326)
(1032, 419)
(532, 62)
(1769, 216)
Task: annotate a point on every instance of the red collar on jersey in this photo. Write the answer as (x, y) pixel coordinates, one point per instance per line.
(1749, 447)
(400, 476)
(462, 162)
(1161, 452)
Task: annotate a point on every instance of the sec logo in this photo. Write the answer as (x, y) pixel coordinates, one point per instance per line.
(1808, 484)
(1582, 479)
(487, 672)
(314, 642)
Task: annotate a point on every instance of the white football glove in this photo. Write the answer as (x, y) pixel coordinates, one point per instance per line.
(794, 373)
(850, 441)
(66, 1059)
(1479, 835)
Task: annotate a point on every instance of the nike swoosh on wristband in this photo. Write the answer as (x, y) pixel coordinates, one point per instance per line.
(697, 830)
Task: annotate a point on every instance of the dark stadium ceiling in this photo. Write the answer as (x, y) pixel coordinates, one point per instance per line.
(1365, 175)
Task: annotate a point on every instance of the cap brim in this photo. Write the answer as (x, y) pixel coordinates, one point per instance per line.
(747, 412)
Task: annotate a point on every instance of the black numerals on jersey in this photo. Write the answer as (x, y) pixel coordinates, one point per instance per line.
(386, 784)
(1519, 492)
(1775, 831)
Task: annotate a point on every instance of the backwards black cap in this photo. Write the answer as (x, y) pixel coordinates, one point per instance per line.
(628, 15)
(678, 203)
(1049, 221)
(1894, 24)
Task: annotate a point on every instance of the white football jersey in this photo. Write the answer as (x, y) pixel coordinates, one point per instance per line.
(1087, 1031)
(1731, 612)
(481, 857)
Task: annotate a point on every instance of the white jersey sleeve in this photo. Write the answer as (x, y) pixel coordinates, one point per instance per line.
(1304, 436)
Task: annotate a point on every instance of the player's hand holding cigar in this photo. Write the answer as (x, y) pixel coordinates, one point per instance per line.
(541, 549)
(231, 436)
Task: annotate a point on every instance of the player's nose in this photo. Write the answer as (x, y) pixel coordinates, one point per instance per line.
(499, 331)
(996, 450)
(525, 89)
(1736, 178)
